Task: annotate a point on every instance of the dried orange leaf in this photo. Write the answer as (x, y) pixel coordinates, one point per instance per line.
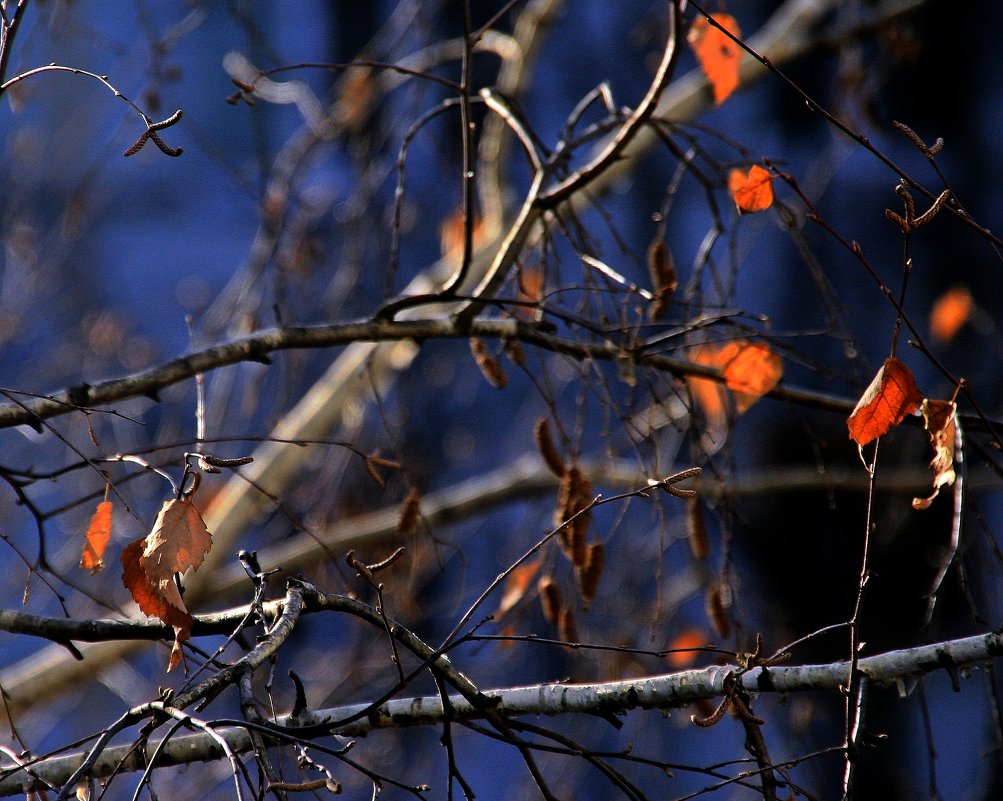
(711, 396)
(891, 396)
(152, 598)
(750, 370)
(98, 534)
(752, 190)
(940, 420)
(516, 585)
(684, 647)
(718, 55)
(754, 371)
(178, 542)
(950, 311)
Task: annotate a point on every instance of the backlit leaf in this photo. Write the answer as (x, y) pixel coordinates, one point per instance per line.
(891, 396)
(940, 420)
(710, 396)
(683, 647)
(98, 534)
(718, 55)
(750, 370)
(751, 373)
(752, 190)
(516, 585)
(950, 311)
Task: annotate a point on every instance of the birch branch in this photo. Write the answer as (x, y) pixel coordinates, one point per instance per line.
(617, 697)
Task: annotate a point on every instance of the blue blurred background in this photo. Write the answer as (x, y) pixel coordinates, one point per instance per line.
(111, 265)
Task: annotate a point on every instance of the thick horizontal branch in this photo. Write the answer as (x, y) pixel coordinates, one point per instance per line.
(617, 697)
(258, 346)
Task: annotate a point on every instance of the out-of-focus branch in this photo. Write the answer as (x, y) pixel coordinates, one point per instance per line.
(525, 478)
(616, 697)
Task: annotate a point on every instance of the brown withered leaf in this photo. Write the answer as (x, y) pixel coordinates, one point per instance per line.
(97, 537)
(177, 543)
(940, 420)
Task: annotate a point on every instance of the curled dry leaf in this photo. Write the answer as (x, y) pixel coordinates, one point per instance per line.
(891, 396)
(177, 543)
(940, 420)
(96, 540)
(719, 56)
(752, 191)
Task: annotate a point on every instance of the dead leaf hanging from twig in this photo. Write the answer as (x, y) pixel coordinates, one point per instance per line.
(177, 543)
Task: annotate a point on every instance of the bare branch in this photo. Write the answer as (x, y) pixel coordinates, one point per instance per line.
(661, 692)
